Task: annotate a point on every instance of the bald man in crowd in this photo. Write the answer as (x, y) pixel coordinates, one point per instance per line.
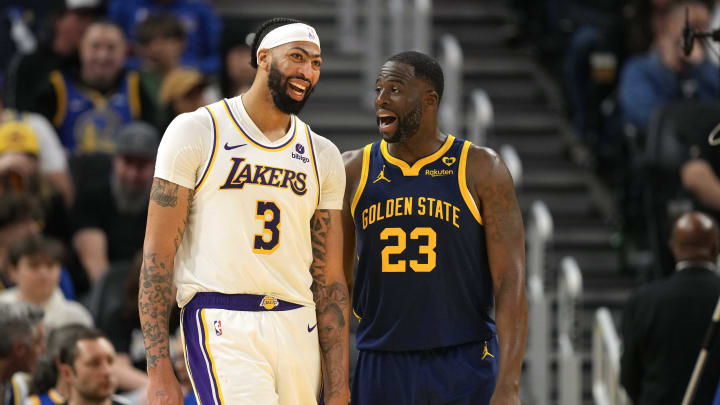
(664, 323)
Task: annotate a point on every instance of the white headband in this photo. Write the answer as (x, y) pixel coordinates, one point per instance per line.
(289, 33)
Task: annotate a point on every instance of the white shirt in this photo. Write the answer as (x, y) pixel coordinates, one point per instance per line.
(51, 155)
(249, 225)
(58, 310)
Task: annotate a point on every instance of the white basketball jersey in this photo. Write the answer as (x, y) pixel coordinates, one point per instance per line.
(248, 229)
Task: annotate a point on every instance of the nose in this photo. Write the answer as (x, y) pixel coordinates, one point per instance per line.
(381, 99)
(305, 71)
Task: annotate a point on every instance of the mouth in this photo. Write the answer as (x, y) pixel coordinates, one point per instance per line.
(297, 89)
(387, 121)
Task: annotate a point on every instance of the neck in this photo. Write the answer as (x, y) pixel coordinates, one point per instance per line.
(424, 143)
(39, 301)
(77, 399)
(6, 372)
(259, 105)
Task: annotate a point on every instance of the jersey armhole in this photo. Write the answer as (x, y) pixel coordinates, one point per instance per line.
(314, 160)
(462, 182)
(363, 179)
(212, 153)
(58, 83)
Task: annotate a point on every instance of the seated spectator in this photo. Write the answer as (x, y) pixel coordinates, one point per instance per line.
(182, 91)
(26, 137)
(88, 108)
(238, 74)
(57, 50)
(47, 386)
(35, 269)
(88, 364)
(110, 216)
(661, 342)
(202, 27)
(665, 73)
(160, 44)
(22, 341)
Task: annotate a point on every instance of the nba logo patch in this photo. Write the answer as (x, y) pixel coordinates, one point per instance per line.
(269, 302)
(299, 148)
(218, 328)
(311, 33)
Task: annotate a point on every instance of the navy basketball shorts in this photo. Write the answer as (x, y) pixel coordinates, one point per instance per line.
(457, 375)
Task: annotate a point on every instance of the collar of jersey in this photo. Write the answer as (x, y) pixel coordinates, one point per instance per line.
(414, 170)
(245, 134)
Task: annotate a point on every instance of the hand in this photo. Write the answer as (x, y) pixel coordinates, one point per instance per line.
(164, 390)
(507, 396)
(695, 173)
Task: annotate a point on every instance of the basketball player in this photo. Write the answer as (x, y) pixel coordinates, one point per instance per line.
(245, 214)
(439, 236)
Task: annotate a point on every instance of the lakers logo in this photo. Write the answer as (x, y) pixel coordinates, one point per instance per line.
(449, 161)
(269, 302)
(381, 176)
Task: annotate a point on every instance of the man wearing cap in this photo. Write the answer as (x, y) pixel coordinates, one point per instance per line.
(182, 91)
(109, 216)
(254, 199)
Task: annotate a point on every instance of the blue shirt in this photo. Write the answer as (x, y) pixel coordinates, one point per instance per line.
(646, 84)
(203, 28)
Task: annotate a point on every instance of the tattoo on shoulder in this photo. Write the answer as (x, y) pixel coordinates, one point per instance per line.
(164, 193)
(503, 219)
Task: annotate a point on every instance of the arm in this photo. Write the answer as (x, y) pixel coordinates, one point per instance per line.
(167, 218)
(91, 247)
(505, 241)
(637, 94)
(331, 304)
(700, 179)
(353, 165)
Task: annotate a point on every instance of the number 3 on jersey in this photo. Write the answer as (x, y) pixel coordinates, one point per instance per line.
(266, 242)
(428, 250)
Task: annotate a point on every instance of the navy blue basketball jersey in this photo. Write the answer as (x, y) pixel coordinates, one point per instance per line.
(422, 278)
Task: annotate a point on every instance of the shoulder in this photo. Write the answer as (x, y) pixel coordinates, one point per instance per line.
(483, 163)
(191, 122)
(353, 160)
(322, 144)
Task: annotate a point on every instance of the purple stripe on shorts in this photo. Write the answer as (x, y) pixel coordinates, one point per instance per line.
(197, 359)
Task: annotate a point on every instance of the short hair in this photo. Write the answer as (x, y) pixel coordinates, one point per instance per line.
(263, 30)
(426, 68)
(17, 323)
(45, 374)
(159, 25)
(36, 246)
(68, 352)
(17, 207)
(107, 23)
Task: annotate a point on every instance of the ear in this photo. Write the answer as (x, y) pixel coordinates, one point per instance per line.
(263, 59)
(64, 370)
(431, 99)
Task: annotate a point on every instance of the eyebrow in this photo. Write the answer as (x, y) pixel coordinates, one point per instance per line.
(317, 55)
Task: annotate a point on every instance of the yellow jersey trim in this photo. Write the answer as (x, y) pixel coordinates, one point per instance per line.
(56, 79)
(210, 357)
(55, 396)
(213, 153)
(134, 94)
(35, 400)
(256, 143)
(462, 181)
(363, 179)
(359, 318)
(16, 391)
(414, 170)
(312, 156)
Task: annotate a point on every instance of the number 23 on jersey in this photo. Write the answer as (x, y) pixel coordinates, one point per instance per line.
(427, 250)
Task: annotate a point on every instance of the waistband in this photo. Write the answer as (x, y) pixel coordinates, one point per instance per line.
(239, 302)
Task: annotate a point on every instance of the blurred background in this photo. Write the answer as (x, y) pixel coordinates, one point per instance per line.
(601, 116)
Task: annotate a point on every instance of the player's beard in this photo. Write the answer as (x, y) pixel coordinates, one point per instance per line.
(278, 84)
(408, 125)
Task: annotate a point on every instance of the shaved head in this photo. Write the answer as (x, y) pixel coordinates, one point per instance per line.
(695, 237)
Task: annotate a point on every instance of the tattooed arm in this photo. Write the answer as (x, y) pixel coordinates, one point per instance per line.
(167, 218)
(331, 304)
(505, 241)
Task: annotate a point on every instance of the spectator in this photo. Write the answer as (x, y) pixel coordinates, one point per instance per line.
(56, 51)
(88, 364)
(35, 269)
(160, 44)
(183, 91)
(29, 137)
(202, 27)
(47, 385)
(89, 108)
(20, 217)
(110, 216)
(665, 73)
(661, 342)
(22, 341)
(238, 74)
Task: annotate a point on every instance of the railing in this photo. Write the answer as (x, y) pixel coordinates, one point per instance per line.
(373, 51)
(452, 63)
(606, 388)
(347, 18)
(540, 231)
(480, 117)
(422, 26)
(512, 161)
(569, 381)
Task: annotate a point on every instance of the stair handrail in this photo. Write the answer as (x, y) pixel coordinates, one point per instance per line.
(569, 292)
(513, 163)
(539, 234)
(373, 47)
(347, 23)
(422, 27)
(480, 117)
(398, 32)
(451, 60)
(606, 389)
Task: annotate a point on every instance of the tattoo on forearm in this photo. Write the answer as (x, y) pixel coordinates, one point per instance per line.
(164, 193)
(331, 300)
